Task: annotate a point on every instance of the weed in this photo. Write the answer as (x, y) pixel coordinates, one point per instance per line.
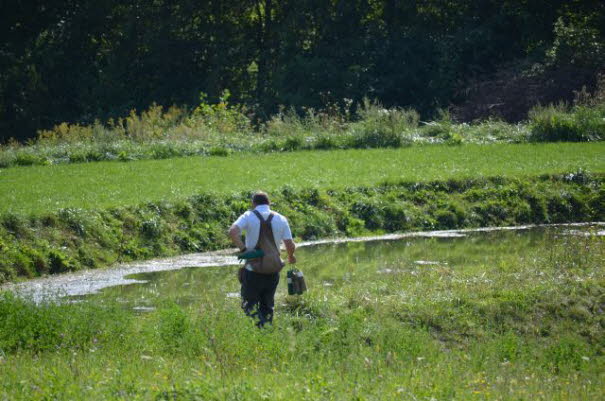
(217, 129)
(558, 123)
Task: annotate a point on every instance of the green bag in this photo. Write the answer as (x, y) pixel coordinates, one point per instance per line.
(253, 254)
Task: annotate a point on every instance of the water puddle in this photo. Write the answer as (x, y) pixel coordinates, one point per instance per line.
(580, 233)
(408, 256)
(143, 308)
(429, 262)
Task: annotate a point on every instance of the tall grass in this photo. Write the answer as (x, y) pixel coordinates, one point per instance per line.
(513, 327)
(560, 123)
(223, 128)
(220, 129)
(582, 122)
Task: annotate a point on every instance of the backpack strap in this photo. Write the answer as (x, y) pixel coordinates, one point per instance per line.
(260, 216)
(263, 222)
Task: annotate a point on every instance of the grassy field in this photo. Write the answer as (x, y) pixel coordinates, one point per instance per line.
(494, 316)
(38, 189)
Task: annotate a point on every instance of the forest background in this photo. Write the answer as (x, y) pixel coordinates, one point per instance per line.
(81, 61)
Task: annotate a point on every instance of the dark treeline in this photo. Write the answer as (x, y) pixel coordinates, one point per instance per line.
(71, 60)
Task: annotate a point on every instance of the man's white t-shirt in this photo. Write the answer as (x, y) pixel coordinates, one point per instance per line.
(249, 223)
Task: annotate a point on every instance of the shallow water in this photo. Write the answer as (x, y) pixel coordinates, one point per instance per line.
(327, 263)
(468, 255)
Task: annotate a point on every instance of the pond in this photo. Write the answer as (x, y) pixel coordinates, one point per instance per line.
(411, 267)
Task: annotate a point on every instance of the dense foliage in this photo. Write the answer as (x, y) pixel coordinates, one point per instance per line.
(81, 60)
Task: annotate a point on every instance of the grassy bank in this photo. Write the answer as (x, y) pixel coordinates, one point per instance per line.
(509, 322)
(70, 239)
(35, 190)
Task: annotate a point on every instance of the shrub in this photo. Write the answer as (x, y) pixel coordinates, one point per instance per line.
(219, 151)
(395, 119)
(395, 217)
(221, 116)
(7, 158)
(26, 159)
(591, 122)
(376, 139)
(437, 130)
(152, 228)
(59, 262)
(557, 123)
(293, 143)
(164, 150)
(325, 142)
(15, 224)
(378, 127)
(370, 211)
(78, 157)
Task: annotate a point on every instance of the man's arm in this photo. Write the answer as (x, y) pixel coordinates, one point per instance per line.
(290, 248)
(236, 237)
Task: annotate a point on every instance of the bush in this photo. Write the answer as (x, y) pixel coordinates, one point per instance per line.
(557, 123)
(293, 143)
(164, 150)
(325, 142)
(26, 159)
(59, 262)
(396, 218)
(219, 151)
(376, 139)
(378, 127)
(370, 211)
(591, 121)
(372, 112)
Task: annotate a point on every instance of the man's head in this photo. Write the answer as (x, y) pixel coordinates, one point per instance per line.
(260, 198)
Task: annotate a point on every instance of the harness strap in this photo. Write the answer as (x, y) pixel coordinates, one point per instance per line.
(263, 222)
(260, 216)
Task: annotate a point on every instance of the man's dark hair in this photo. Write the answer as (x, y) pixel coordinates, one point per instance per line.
(260, 198)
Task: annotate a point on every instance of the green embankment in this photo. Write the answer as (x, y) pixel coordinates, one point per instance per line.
(41, 189)
(71, 239)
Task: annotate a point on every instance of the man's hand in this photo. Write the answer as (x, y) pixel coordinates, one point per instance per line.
(291, 259)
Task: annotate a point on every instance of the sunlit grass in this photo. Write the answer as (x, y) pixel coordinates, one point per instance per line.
(495, 316)
(105, 184)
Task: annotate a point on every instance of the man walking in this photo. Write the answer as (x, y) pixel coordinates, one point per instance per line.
(265, 230)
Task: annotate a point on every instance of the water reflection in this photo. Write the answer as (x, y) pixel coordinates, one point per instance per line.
(330, 266)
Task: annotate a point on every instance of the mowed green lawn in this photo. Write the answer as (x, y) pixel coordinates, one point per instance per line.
(105, 184)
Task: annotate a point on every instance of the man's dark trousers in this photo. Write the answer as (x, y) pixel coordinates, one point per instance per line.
(258, 293)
